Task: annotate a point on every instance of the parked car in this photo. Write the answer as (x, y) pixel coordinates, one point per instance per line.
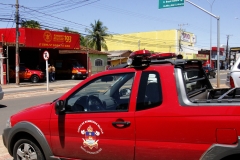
(1, 93)
(70, 68)
(210, 72)
(233, 76)
(28, 74)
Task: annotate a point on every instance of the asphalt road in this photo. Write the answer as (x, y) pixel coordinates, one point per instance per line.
(10, 106)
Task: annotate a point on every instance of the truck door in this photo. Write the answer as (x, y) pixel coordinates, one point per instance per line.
(99, 122)
(160, 132)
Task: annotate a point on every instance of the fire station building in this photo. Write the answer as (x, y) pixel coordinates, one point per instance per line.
(33, 43)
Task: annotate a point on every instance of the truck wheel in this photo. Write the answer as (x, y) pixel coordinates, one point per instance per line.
(27, 149)
(34, 78)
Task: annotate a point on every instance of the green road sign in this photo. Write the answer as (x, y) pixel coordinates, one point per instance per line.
(170, 3)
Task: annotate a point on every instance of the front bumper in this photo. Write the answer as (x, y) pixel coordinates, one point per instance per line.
(80, 75)
(5, 138)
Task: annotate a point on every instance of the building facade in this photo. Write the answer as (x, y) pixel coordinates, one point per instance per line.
(176, 41)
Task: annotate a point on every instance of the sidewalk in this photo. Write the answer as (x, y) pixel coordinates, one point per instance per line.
(37, 86)
(3, 152)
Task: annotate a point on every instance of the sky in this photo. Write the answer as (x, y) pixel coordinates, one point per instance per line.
(131, 16)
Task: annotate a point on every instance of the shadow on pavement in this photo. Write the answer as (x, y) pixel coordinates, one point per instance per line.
(2, 106)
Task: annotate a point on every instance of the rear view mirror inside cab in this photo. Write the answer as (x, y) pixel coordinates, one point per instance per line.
(107, 79)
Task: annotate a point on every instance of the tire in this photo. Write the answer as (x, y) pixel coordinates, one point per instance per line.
(34, 79)
(27, 149)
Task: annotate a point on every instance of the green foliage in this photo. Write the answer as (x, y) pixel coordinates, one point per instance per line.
(82, 38)
(66, 29)
(83, 41)
(95, 38)
(30, 24)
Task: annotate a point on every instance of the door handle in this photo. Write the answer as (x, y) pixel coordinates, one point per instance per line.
(121, 124)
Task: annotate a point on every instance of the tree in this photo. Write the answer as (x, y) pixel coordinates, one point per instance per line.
(30, 24)
(95, 38)
(83, 41)
(82, 38)
(66, 29)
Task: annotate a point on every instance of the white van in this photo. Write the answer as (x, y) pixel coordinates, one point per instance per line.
(233, 77)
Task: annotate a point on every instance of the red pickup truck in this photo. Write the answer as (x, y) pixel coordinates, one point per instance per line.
(146, 109)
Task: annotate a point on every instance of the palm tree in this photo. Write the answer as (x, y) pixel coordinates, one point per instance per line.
(66, 29)
(95, 38)
(83, 41)
(30, 24)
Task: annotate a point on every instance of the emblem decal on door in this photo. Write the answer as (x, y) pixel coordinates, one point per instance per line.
(90, 130)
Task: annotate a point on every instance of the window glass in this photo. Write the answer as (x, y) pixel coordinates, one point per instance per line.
(194, 79)
(150, 92)
(106, 93)
(98, 62)
(238, 66)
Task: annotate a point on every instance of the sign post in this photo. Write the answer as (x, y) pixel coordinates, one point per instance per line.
(170, 3)
(46, 57)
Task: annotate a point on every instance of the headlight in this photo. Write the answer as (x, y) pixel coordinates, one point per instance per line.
(8, 123)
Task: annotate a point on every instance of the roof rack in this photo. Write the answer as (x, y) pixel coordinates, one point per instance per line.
(176, 62)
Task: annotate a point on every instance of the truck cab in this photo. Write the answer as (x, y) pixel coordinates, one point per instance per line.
(145, 109)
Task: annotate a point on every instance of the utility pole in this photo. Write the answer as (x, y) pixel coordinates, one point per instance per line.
(17, 43)
(181, 31)
(227, 54)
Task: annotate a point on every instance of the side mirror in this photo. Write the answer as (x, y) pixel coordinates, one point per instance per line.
(59, 107)
(125, 92)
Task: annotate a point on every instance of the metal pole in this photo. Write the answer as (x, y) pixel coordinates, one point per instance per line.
(17, 44)
(218, 37)
(211, 39)
(7, 66)
(202, 9)
(218, 45)
(47, 75)
(211, 33)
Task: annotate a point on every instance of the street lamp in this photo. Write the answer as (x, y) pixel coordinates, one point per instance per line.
(211, 4)
(218, 37)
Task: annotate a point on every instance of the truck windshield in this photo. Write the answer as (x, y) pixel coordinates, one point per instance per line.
(76, 65)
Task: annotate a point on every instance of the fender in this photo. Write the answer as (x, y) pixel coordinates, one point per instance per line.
(218, 151)
(33, 130)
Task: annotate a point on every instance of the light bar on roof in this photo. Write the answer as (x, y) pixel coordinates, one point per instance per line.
(141, 57)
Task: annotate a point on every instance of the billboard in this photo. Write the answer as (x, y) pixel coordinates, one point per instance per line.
(37, 38)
